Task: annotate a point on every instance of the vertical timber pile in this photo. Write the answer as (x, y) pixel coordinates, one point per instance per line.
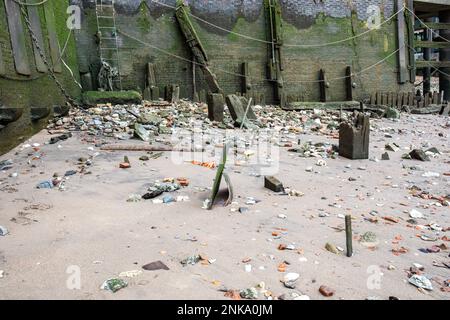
(428, 36)
(275, 65)
(444, 56)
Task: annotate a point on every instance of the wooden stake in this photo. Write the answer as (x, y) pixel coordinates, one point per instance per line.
(348, 234)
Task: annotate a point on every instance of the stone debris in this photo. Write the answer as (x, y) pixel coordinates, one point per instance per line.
(114, 285)
(404, 207)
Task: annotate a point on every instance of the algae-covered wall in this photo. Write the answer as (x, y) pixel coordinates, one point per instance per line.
(38, 89)
(305, 22)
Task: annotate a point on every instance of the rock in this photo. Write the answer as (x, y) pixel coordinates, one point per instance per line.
(144, 158)
(289, 284)
(273, 184)
(70, 173)
(421, 282)
(62, 137)
(433, 150)
(392, 113)
(385, 156)
(141, 132)
(3, 231)
(291, 277)
(430, 174)
(392, 147)
(45, 185)
(153, 266)
(418, 154)
(415, 214)
(130, 274)
(134, 198)
(250, 293)
(331, 248)
(192, 260)
(326, 291)
(152, 194)
(243, 209)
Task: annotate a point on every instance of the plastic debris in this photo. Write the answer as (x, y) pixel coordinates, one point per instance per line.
(114, 284)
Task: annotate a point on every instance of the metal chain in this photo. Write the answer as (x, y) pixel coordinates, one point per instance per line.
(69, 99)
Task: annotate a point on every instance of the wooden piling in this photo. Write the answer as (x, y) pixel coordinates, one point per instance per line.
(348, 235)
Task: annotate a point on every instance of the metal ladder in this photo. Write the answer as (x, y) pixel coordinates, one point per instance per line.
(107, 33)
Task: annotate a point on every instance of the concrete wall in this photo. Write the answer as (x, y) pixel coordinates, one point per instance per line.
(305, 22)
(37, 90)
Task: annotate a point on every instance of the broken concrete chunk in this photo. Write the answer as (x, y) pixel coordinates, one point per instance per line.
(392, 147)
(273, 184)
(418, 154)
(385, 156)
(3, 231)
(153, 266)
(421, 282)
(237, 111)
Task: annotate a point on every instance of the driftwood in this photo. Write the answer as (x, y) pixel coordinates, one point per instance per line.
(137, 147)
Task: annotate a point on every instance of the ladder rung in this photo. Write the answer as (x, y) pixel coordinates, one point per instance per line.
(105, 17)
(106, 27)
(108, 48)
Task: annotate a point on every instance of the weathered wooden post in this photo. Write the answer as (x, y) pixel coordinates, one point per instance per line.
(348, 235)
(354, 138)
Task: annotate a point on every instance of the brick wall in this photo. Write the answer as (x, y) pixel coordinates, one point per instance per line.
(305, 22)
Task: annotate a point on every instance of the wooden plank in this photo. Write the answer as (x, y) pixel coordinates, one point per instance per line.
(435, 64)
(403, 72)
(17, 36)
(432, 44)
(33, 15)
(379, 98)
(373, 99)
(435, 98)
(2, 64)
(426, 99)
(52, 36)
(435, 26)
(411, 98)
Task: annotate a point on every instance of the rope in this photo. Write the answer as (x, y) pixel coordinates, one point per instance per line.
(285, 45)
(242, 75)
(30, 4)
